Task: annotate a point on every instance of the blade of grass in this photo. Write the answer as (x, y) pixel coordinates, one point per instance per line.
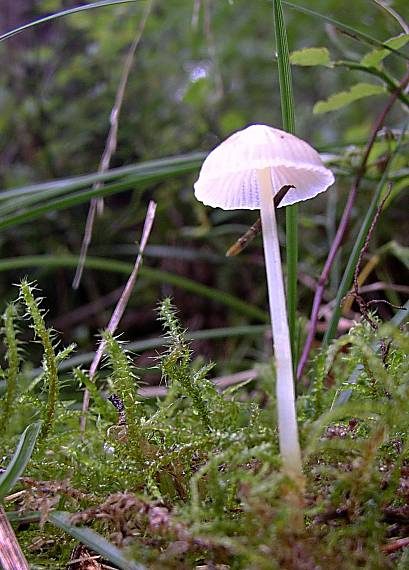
(288, 118)
(17, 517)
(352, 32)
(124, 299)
(348, 275)
(20, 459)
(155, 275)
(79, 182)
(21, 199)
(61, 14)
(142, 180)
(94, 541)
(159, 341)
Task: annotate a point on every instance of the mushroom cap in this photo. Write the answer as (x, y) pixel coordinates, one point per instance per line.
(228, 176)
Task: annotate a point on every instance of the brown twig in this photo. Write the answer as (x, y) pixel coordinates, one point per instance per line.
(343, 225)
(255, 229)
(221, 383)
(381, 286)
(396, 545)
(120, 307)
(363, 306)
(110, 145)
(11, 555)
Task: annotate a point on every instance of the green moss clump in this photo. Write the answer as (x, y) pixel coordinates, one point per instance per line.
(194, 478)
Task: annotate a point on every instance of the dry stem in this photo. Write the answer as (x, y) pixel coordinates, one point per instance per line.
(121, 305)
(344, 225)
(110, 145)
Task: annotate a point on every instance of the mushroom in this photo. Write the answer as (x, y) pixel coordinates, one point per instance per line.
(246, 171)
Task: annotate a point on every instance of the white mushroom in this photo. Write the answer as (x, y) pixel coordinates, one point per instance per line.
(245, 172)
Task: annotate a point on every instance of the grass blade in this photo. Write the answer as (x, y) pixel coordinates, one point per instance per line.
(77, 182)
(159, 341)
(20, 459)
(61, 14)
(287, 111)
(21, 517)
(155, 275)
(94, 541)
(62, 203)
(349, 30)
(27, 196)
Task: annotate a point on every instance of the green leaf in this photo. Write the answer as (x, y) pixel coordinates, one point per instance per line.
(19, 517)
(344, 98)
(20, 459)
(311, 56)
(94, 541)
(376, 56)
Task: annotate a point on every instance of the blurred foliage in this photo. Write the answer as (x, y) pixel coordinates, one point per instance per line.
(201, 467)
(203, 69)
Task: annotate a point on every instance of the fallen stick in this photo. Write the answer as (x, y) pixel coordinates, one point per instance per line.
(121, 305)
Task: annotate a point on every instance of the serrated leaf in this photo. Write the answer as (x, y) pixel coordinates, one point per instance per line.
(376, 56)
(94, 541)
(20, 459)
(344, 98)
(311, 56)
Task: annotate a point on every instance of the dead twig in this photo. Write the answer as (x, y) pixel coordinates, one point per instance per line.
(382, 286)
(121, 305)
(396, 545)
(255, 229)
(363, 306)
(11, 555)
(344, 225)
(110, 145)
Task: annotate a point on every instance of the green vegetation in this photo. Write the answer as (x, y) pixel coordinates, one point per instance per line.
(194, 478)
(175, 462)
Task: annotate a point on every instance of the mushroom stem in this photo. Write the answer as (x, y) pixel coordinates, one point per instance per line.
(287, 420)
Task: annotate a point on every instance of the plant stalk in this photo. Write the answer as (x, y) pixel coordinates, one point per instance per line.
(11, 555)
(339, 236)
(287, 419)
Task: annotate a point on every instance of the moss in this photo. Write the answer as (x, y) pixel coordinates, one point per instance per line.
(194, 479)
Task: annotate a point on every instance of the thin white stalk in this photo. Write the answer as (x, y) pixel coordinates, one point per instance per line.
(287, 420)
